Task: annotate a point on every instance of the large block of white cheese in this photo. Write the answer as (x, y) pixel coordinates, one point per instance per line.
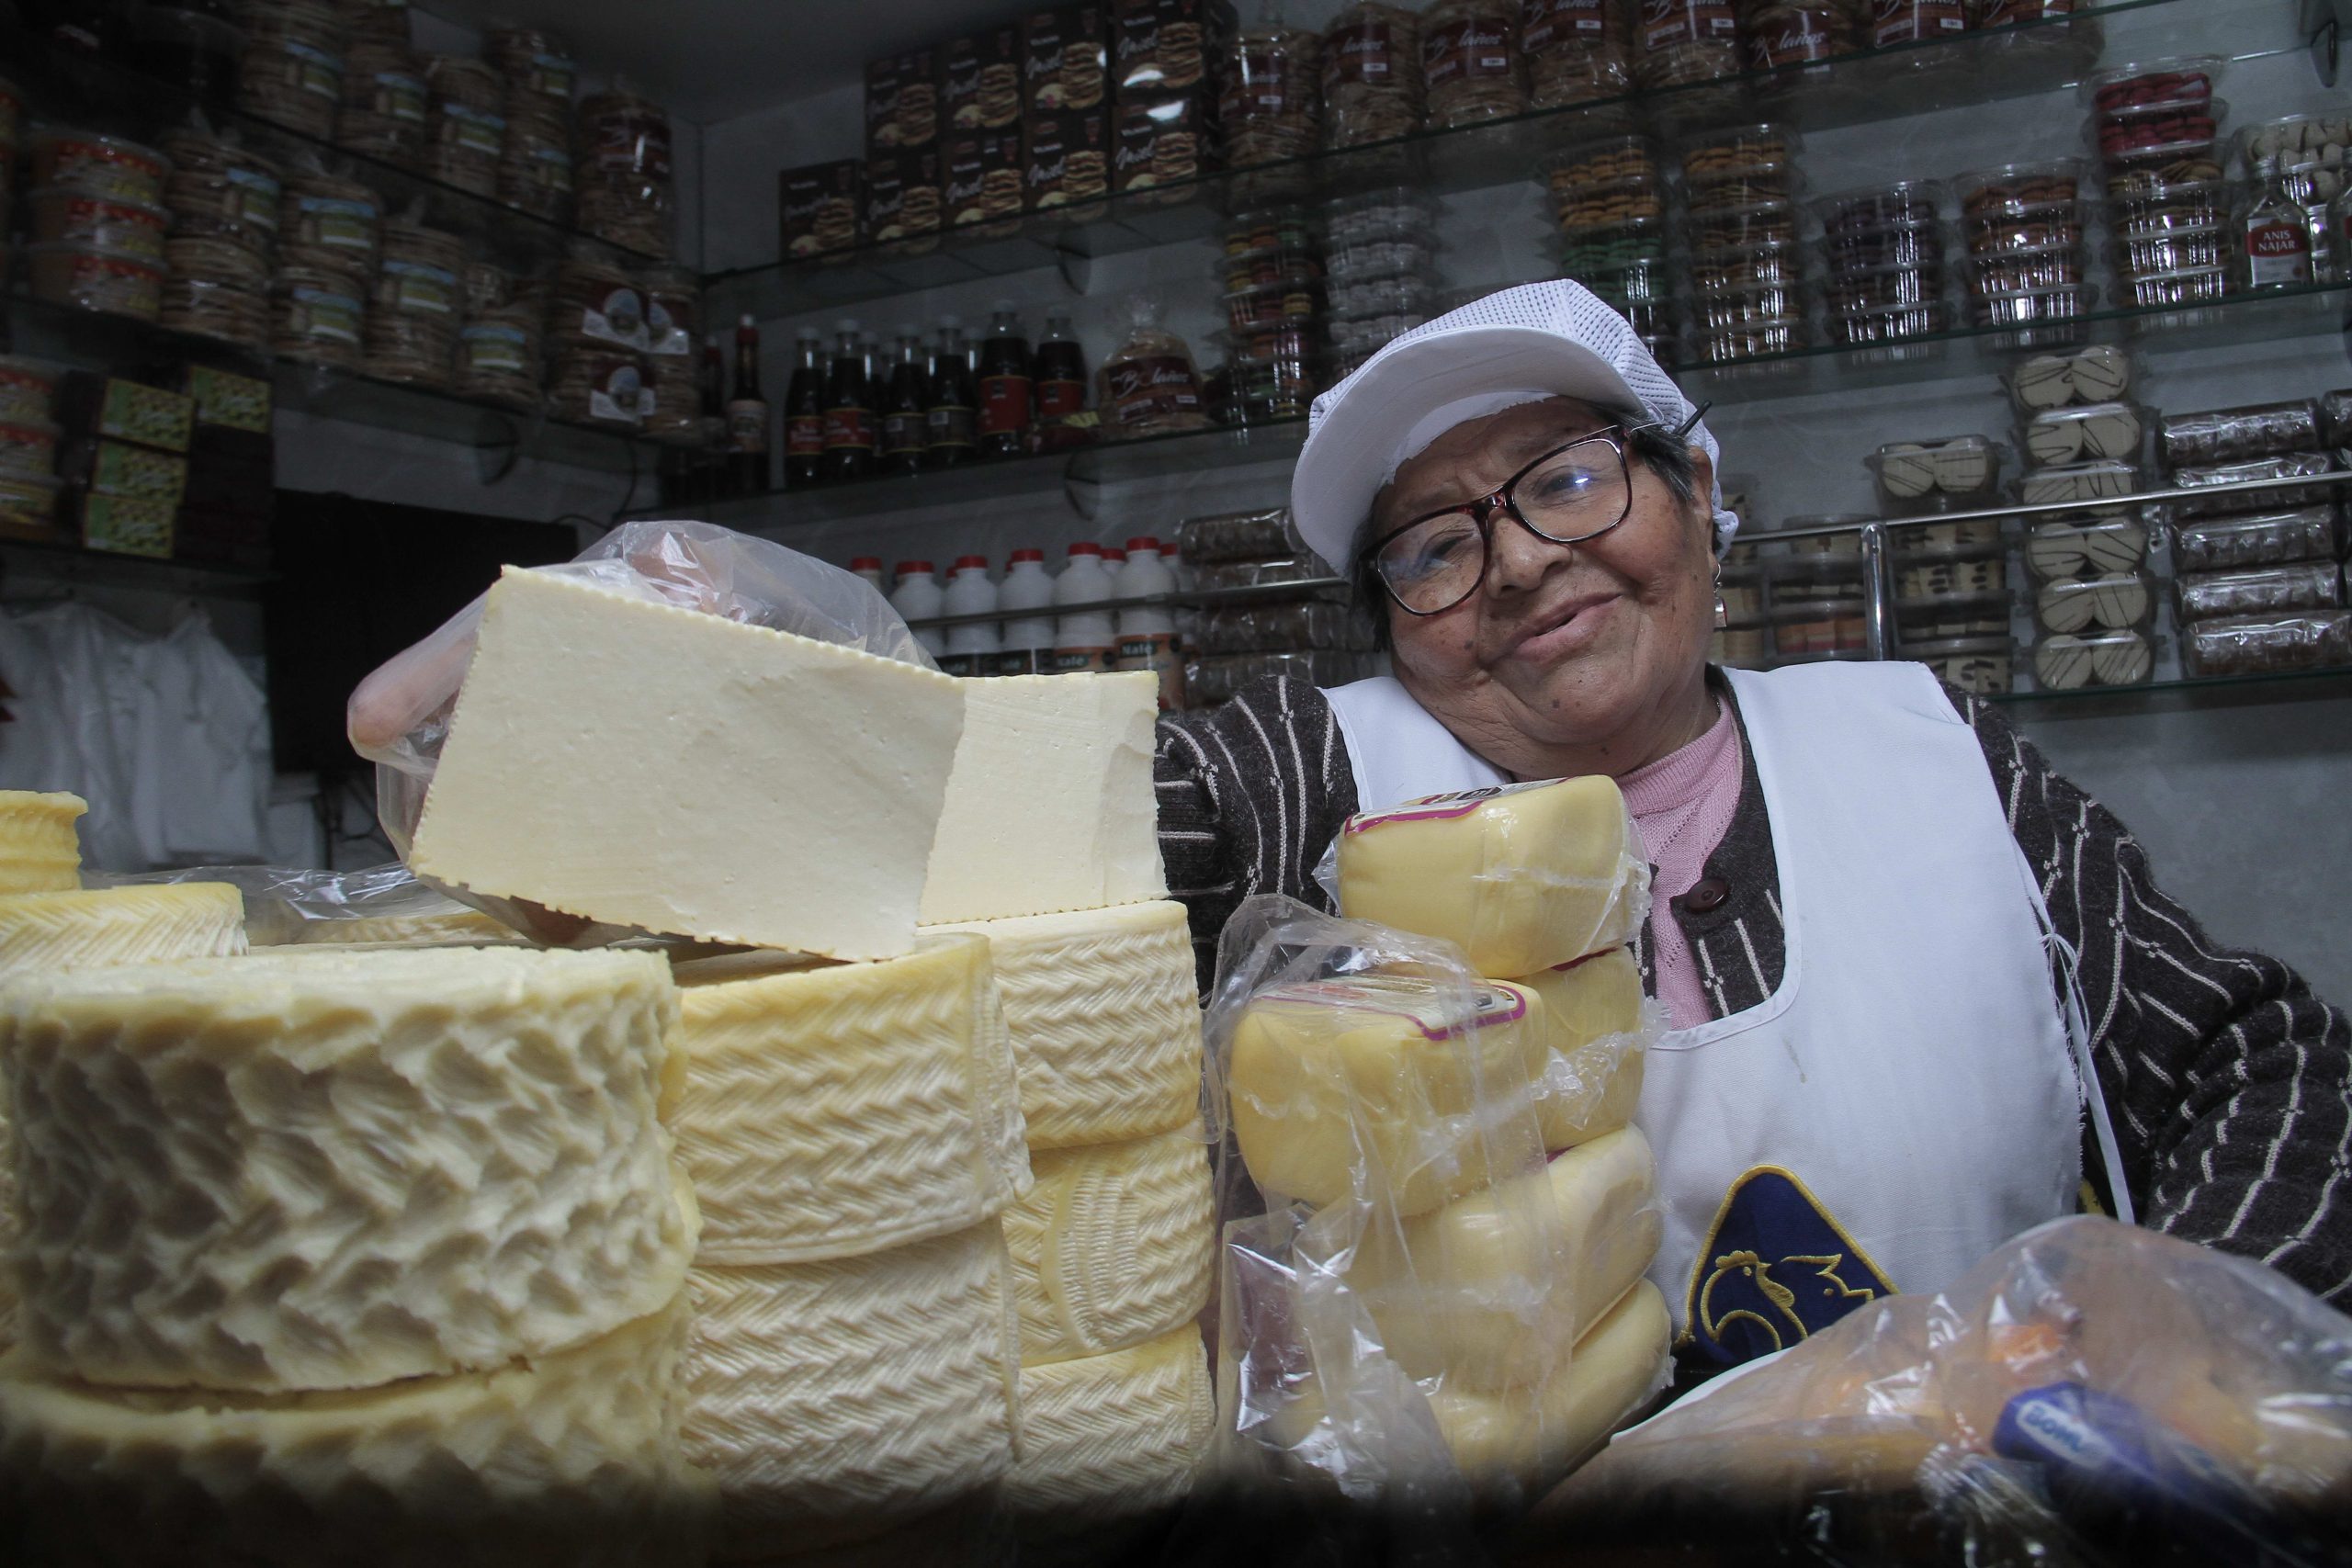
(1106, 1439)
(40, 848)
(832, 1108)
(1051, 806)
(643, 764)
(572, 1459)
(1519, 876)
(1116, 1244)
(834, 1400)
(326, 1170)
(1106, 1031)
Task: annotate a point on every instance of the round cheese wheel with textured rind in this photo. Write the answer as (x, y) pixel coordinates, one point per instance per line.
(1114, 1245)
(1104, 1437)
(1106, 1027)
(331, 1170)
(41, 851)
(569, 1458)
(836, 1400)
(90, 928)
(834, 1109)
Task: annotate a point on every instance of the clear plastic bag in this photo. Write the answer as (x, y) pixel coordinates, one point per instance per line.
(383, 904)
(2091, 1394)
(398, 717)
(1418, 1308)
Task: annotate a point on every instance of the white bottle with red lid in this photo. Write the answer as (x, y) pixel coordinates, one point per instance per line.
(870, 569)
(917, 596)
(1086, 641)
(971, 649)
(1171, 556)
(1028, 639)
(1147, 633)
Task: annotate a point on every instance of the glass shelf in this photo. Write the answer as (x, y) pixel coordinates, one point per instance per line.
(75, 564)
(1187, 598)
(87, 91)
(123, 345)
(1864, 87)
(2187, 692)
(1084, 467)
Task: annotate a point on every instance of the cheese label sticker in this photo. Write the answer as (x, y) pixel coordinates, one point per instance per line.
(1430, 1008)
(1439, 808)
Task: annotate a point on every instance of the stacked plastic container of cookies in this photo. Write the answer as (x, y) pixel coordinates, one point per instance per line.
(2314, 154)
(1381, 256)
(596, 339)
(1277, 306)
(225, 203)
(292, 70)
(1741, 191)
(414, 306)
(96, 222)
(1884, 250)
(2095, 598)
(2259, 587)
(1684, 43)
(535, 164)
(1951, 580)
(2023, 227)
(382, 112)
(1787, 35)
(2156, 127)
(1813, 595)
(1578, 52)
(1610, 198)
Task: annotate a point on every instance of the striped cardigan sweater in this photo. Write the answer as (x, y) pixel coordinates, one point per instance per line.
(2228, 1082)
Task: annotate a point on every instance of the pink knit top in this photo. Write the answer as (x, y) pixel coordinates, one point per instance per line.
(1683, 804)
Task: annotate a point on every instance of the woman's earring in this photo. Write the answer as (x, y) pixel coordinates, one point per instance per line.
(1723, 611)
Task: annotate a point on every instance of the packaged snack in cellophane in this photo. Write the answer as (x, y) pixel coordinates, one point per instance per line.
(1433, 1298)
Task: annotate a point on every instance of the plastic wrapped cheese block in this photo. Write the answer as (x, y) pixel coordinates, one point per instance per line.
(832, 1108)
(329, 1171)
(1051, 805)
(1109, 1438)
(834, 1400)
(570, 1459)
(639, 763)
(1521, 876)
(1106, 1031)
(1617, 1366)
(39, 850)
(1490, 1290)
(1593, 1077)
(1400, 1090)
(90, 928)
(1113, 1246)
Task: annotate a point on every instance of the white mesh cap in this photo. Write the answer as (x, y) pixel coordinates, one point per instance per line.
(1537, 340)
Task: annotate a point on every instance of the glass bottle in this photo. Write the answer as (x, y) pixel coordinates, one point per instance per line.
(949, 427)
(2274, 238)
(1060, 367)
(1005, 410)
(804, 412)
(849, 410)
(747, 416)
(905, 406)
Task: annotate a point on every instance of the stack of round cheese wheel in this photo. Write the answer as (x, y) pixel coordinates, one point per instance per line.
(1472, 1137)
(852, 1132)
(1112, 1249)
(385, 1250)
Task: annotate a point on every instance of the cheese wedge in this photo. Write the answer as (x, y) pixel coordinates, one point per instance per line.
(1521, 876)
(89, 929)
(322, 1170)
(1491, 1290)
(1107, 1030)
(1051, 805)
(1593, 1079)
(39, 850)
(834, 1400)
(1106, 1439)
(1504, 1439)
(832, 1108)
(1397, 1091)
(1116, 1244)
(648, 765)
(567, 1458)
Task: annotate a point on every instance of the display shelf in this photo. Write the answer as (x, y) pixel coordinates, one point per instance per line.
(1193, 598)
(75, 564)
(89, 93)
(2190, 691)
(1863, 87)
(123, 345)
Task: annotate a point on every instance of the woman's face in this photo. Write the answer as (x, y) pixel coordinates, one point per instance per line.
(1590, 647)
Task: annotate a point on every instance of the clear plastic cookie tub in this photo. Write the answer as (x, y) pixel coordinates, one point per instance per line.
(1905, 204)
(1785, 34)
(1746, 267)
(2233, 435)
(337, 218)
(1776, 224)
(1954, 473)
(1566, 65)
(384, 100)
(1971, 538)
(1754, 340)
(537, 67)
(220, 188)
(94, 277)
(1291, 300)
(2053, 229)
(1861, 250)
(2044, 271)
(2021, 190)
(232, 313)
(1739, 152)
(2070, 662)
(2179, 144)
(1740, 193)
(291, 71)
(1983, 667)
(2032, 306)
(2312, 151)
(2153, 86)
(2181, 249)
(1683, 43)
(2101, 373)
(1733, 308)
(2119, 602)
(1614, 206)
(2102, 545)
(1884, 288)
(2143, 208)
(1372, 74)
(2261, 645)
(2190, 286)
(2301, 585)
(1472, 68)
(1896, 22)
(1605, 162)
(105, 165)
(1896, 323)
(1928, 585)
(1604, 250)
(2263, 538)
(2085, 484)
(318, 317)
(497, 356)
(90, 218)
(2287, 466)
(1397, 295)
(1269, 263)
(2084, 433)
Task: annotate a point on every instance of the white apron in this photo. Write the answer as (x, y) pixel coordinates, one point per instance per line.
(1910, 1096)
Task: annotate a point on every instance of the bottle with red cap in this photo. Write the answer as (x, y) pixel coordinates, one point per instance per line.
(1147, 633)
(870, 569)
(1084, 641)
(972, 648)
(918, 597)
(1028, 638)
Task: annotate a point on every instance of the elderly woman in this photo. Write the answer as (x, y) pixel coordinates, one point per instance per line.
(1918, 984)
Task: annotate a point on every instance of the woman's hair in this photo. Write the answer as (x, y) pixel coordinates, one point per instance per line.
(1648, 445)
